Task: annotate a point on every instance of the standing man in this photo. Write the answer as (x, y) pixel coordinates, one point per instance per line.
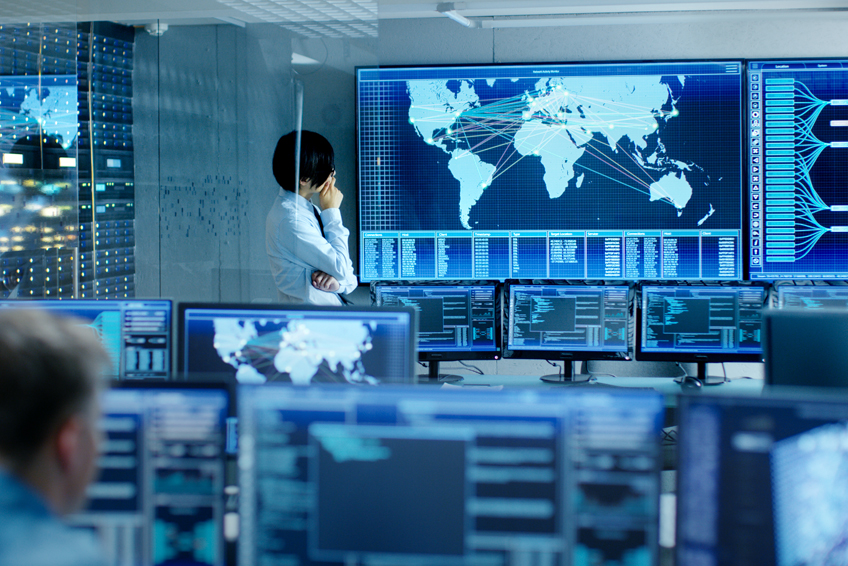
(49, 374)
(308, 248)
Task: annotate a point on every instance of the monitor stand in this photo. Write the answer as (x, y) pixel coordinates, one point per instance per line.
(567, 376)
(708, 379)
(433, 375)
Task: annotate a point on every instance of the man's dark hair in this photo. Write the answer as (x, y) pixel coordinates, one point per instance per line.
(317, 160)
(50, 369)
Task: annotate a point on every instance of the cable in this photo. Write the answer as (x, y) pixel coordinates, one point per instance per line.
(469, 366)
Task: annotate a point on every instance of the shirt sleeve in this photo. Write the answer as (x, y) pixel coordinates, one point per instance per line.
(328, 253)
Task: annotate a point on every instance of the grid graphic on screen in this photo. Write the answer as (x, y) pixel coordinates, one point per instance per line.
(799, 114)
(623, 147)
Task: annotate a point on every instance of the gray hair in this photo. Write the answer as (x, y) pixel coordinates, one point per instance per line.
(50, 369)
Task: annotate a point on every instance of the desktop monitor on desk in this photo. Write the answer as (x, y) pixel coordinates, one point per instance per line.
(812, 297)
(761, 480)
(455, 322)
(568, 323)
(300, 344)
(136, 333)
(420, 476)
(806, 347)
(159, 497)
(702, 324)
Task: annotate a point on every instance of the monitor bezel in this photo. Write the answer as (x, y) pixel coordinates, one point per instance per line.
(687, 357)
(183, 307)
(744, 178)
(456, 355)
(560, 355)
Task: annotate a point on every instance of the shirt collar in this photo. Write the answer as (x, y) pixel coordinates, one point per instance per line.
(297, 200)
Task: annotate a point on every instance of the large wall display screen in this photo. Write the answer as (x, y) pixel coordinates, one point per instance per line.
(798, 142)
(590, 171)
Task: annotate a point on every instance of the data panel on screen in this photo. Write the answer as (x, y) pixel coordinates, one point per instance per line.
(798, 142)
(452, 319)
(679, 322)
(758, 480)
(297, 344)
(417, 476)
(812, 297)
(579, 171)
(159, 495)
(136, 333)
(552, 321)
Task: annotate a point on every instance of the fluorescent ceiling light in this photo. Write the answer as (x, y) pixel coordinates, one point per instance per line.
(298, 59)
(449, 10)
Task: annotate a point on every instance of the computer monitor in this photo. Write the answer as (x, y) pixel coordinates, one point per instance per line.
(135, 332)
(159, 497)
(701, 323)
(812, 297)
(388, 475)
(587, 171)
(798, 185)
(761, 479)
(806, 347)
(455, 322)
(568, 323)
(301, 344)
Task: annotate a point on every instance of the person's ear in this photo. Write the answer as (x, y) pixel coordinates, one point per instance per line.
(67, 443)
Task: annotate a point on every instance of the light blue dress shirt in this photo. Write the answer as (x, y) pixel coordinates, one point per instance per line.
(296, 249)
(31, 535)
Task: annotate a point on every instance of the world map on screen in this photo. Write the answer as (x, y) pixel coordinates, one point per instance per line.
(297, 351)
(606, 151)
(556, 124)
(27, 107)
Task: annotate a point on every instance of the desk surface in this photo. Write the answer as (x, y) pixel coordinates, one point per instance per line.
(665, 385)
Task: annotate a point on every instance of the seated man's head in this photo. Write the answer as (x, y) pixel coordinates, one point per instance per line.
(317, 160)
(50, 371)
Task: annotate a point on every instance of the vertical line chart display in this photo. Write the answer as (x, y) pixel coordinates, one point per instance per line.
(574, 171)
(798, 204)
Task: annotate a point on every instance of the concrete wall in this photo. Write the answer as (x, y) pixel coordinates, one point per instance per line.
(210, 102)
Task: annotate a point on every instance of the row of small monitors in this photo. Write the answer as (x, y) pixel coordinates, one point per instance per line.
(665, 170)
(390, 475)
(301, 344)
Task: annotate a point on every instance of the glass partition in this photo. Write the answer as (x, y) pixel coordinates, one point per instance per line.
(39, 213)
(136, 155)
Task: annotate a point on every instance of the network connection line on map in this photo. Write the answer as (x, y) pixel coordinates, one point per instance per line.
(485, 140)
(479, 126)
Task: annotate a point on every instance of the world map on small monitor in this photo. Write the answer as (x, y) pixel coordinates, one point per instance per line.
(299, 345)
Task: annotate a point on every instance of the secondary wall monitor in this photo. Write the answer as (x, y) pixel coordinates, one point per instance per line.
(798, 139)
